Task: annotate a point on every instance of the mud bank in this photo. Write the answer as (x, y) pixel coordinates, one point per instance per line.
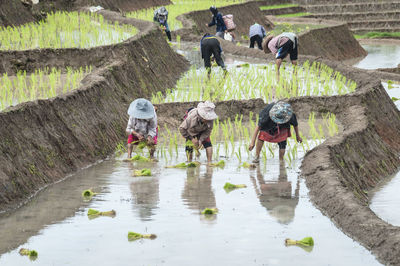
(334, 42)
(29, 60)
(43, 141)
(13, 12)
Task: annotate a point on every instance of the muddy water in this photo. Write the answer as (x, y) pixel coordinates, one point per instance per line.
(385, 200)
(393, 92)
(249, 229)
(380, 56)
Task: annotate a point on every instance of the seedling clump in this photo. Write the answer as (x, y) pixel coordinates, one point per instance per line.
(229, 187)
(219, 164)
(209, 211)
(132, 236)
(140, 158)
(307, 241)
(184, 165)
(92, 213)
(31, 253)
(143, 172)
(88, 193)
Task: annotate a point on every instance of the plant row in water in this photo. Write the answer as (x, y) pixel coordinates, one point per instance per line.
(258, 81)
(42, 84)
(231, 139)
(65, 30)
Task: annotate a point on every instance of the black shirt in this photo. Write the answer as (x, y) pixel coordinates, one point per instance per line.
(266, 124)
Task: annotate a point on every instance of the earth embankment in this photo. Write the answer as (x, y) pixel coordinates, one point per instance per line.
(45, 140)
(333, 41)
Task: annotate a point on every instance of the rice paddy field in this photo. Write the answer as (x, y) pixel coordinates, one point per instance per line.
(168, 212)
(65, 30)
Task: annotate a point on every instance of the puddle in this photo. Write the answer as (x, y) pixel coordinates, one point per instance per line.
(249, 229)
(380, 56)
(394, 92)
(385, 200)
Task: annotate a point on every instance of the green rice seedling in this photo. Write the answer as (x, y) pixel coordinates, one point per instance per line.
(247, 165)
(221, 163)
(92, 213)
(132, 236)
(210, 211)
(230, 187)
(142, 172)
(139, 158)
(307, 241)
(184, 165)
(65, 30)
(88, 193)
(31, 253)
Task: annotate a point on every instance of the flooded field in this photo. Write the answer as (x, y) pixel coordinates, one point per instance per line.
(385, 200)
(249, 229)
(380, 56)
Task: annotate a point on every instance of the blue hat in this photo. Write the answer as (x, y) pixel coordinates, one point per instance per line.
(141, 109)
(281, 112)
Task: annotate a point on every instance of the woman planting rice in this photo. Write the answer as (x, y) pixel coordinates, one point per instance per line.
(274, 126)
(142, 125)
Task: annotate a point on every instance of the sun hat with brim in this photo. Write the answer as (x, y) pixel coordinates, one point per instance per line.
(281, 112)
(206, 110)
(265, 42)
(141, 109)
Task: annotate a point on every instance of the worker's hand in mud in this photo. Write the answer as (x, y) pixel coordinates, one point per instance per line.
(299, 139)
(251, 146)
(206, 25)
(150, 140)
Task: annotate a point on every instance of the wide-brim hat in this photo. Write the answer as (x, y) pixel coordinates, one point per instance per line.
(281, 112)
(206, 110)
(265, 42)
(141, 109)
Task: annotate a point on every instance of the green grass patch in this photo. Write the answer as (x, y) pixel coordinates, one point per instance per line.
(278, 6)
(301, 14)
(377, 35)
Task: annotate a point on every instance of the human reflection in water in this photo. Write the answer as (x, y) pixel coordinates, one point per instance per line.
(276, 196)
(145, 196)
(197, 193)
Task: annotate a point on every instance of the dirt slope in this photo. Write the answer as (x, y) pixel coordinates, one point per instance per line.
(43, 141)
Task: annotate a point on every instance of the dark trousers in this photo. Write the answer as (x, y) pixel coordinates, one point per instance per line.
(168, 35)
(211, 47)
(258, 39)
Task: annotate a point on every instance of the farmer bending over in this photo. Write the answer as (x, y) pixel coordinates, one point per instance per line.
(197, 128)
(142, 125)
(161, 17)
(209, 45)
(274, 126)
(256, 34)
(219, 21)
(281, 46)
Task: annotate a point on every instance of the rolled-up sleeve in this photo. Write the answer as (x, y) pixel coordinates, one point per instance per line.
(131, 125)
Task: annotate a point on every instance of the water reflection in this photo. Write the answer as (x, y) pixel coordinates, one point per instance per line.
(145, 196)
(276, 196)
(197, 193)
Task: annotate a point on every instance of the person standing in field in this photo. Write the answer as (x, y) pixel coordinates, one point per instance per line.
(210, 46)
(161, 17)
(219, 21)
(282, 45)
(274, 126)
(256, 34)
(197, 128)
(142, 125)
